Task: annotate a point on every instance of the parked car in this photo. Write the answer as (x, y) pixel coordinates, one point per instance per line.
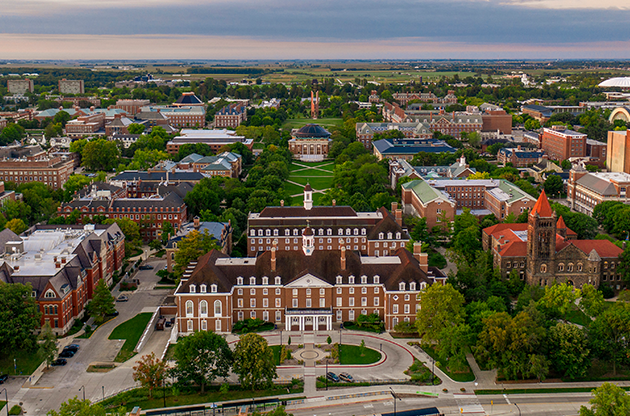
(67, 354)
(346, 377)
(72, 347)
(146, 267)
(115, 313)
(122, 298)
(332, 377)
(3, 378)
(59, 361)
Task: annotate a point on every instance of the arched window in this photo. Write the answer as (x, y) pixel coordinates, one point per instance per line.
(543, 268)
(189, 308)
(579, 268)
(192, 289)
(217, 308)
(213, 288)
(401, 286)
(203, 308)
(561, 267)
(278, 280)
(252, 280)
(50, 294)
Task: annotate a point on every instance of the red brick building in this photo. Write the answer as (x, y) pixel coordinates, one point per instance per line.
(231, 116)
(22, 164)
(63, 264)
(561, 144)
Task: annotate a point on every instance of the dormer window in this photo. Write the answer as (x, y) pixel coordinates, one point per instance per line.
(202, 288)
(287, 232)
(363, 231)
(329, 231)
(268, 233)
(265, 280)
(278, 280)
(260, 233)
(295, 231)
(377, 279)
(320, 231)
(398, 236)
(252, 280)
(252, 233)
(401, 286)
(389, 236)
(363, 280)
(275, 233)
(213, 288)
(423, 286)
(348, 231)
(192, 289)
(339, 280)
(412, 286)
(356, 231)
(381, 236)
(50, 294)
(239, 281)
(351, 280)
(341, 231)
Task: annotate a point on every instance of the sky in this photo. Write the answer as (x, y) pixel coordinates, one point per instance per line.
(323, 29)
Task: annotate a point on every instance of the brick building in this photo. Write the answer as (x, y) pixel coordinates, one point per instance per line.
(366, 131)
(538, 112)
(68, 86)
(544, 251)
(453, 124)
(585, 190)
(310, 143)
(369, 233)
(216, 139)
(304, 289)
(404, 98)
(20, 86)
(226, 164)
(63, 264)
(119, 127)
(441, 199)
(86, 125)
(131, 107)
(406, 149)
(561, 144)
(231, 116)
(22, 164)
(180, 117)
(519, 158)
(496, 120)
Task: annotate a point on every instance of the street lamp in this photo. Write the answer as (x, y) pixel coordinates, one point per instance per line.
(394, 396)
(6, 397)
(519, 409)
(82, 388)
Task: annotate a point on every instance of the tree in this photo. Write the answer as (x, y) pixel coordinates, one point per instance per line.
(77, 407)
(539, 366)
(19, 316)
(592, 301)
(479, 175)
(609, 333)
(16, 225)
(553, 185)
(278, 411)
(532, 124)
(559, 299)
(441, 307)
(150, 372)
(191, 247)
(608, 400)
(568, 350)
(102, 303)
(135, 128)
(254, 362)
(202, 357)
(73, 184)
(100, 154)
(47, 344)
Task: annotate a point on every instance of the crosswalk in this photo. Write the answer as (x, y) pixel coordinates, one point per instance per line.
(469, 404)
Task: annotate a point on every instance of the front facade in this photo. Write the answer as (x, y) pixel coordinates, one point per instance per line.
(377, 233)
(304, 290)
(20, 86)
(518, 157)
(51, 170)
(63, 264)
(68, 86)
(586, 190)
(311, 143)
(230, 116)
(618, 156)
(180, 117)
(544, 251)
(561, 144)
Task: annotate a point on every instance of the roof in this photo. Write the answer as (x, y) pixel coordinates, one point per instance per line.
(412, 146)
(542, 207)
(319, 211)
(514, 249)
(312, 130)
(621, 82)
(425, 192)
(603, 248)
(597, 184)
(188, 98)
(134, 175)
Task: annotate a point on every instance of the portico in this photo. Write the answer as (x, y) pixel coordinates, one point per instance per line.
(315, 317)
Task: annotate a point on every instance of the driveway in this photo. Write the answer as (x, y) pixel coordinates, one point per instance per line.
(59, 384)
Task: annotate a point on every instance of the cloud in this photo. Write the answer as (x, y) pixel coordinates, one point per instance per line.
(78, 47)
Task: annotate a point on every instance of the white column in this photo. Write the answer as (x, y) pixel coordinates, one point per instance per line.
(328, 323)
(287, 323)
(315, 323)
(301, 324)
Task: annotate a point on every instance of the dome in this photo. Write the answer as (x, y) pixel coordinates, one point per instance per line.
(312, 130)
(620, 82)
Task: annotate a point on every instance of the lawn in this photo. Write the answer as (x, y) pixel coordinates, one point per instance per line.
(542, 391)
(318, 179)
(298, 201)
(293, 189)
(130, 331)
(421, 374)
(296, 123)
(576, 316)
(140, 397)
(462, 376)
(351, 354)
(316, 182)
(27, 362)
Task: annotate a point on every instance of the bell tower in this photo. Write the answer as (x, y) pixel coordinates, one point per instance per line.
(308, 197)
(541, 243)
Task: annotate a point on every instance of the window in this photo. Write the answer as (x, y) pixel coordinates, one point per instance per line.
(339, 316)
(351, 290)
(265, 303)
(376, 301)
(377, 279)
(239, 281)
(407, 297)
(278, 291)
(322, 303)
(364, 280)
(217, 325)
(407, 308)
(364, 290)
(218, 308)
(543, 268)
(295, 303)
(339, 291)
(278, 316)
(579, 268)
(239, 291)
(265, 280)
(189, 308)
(351, 301)
(252, 280)
(339, 301)
(265, 316)
(412, 286)
(204, 325)
(203, 308)
(252, 303)
(192, 288)
(308, 303)
(322, 291)
(239, 303)
(395, 309)
(252, 291)
(401, 286)
(189, 325)
(351, 315)
(241, 315)
(252, 314)
(202, 288)
(50, 294)
(308, 292)
(213, 288)
(351, 280)
(363, 301)
(561, 267)
(339, 280)
(278, 304)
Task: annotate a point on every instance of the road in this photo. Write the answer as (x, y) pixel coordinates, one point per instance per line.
(59, 384)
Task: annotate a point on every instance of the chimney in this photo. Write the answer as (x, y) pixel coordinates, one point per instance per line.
(282, 202)
(334, 202)
(63, 260)
(423, 258)
(398, 214)
(92, 108)
(518, 147)
(196, 222)
(57, 265)
(394, 206)
(343, 258)
(273, 255)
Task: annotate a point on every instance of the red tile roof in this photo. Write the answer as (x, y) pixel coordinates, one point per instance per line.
(542, 207)
(604, 248)
(560, 224)
(500, 227)
(514, 249)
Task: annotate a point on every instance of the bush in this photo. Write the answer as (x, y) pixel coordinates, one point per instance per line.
(251, 325)
(15, 410)
(405, 328)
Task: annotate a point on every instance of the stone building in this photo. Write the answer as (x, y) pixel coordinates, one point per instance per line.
(311, 143)
(544, 251)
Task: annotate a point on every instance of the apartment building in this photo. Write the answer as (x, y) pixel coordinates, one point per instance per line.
(69, 86)
(20, 86)
(560, 143)
(23, 164)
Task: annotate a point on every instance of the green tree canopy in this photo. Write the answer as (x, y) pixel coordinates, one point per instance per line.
(191, 247)
(608, 400)
(19, 316)
(441, 307)
(254, 362)
(102, 303)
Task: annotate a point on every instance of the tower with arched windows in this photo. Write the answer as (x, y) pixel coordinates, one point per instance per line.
(541, 242)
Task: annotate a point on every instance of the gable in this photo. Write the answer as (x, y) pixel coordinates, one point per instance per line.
(308, 280)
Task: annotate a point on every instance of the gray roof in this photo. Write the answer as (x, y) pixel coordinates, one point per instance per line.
(134, 175)
(412, 146)
(599, 185)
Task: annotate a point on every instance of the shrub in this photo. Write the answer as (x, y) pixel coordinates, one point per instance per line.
(248, 325)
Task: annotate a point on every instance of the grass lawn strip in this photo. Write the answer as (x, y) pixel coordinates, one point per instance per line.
(295, 123)
(351, 354)
(130, 331)
(316, 182)
(461, 377)
(27, 362)
(140, 397)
